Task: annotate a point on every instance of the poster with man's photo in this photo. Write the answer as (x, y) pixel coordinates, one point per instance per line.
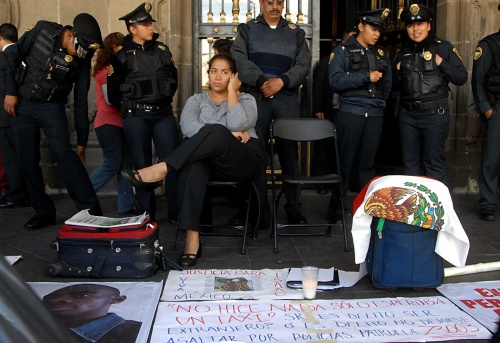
(104, 312)
(228, 284)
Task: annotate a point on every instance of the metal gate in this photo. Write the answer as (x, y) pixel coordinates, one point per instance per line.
(214, 19)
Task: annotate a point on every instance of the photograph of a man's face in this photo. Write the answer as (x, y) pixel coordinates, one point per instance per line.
(235, 284)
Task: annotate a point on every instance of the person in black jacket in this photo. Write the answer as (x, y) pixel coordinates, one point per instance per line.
(42, 68)
(273, 60)
(16, 195)
(323, 108)
(486, 90)
(359, 71)
(424, 67)
(142, 83)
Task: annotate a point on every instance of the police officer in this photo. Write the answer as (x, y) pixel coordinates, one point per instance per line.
(143, 82)
(424, 67)
(16, 196)
(359, 71)
(43, 66)
(486, 90)
(273, 60)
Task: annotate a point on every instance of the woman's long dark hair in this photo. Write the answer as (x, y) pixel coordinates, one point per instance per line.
(104, 54)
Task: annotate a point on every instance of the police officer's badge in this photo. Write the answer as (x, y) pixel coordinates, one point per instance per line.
(385, 13)
(332, 56)
(162, 47)
(68, 58)
(111, 70)
(477, 53)
(292, 26)
(381, 52)
(94, 46)
(456, 53)
(427, 55)
(414, 9)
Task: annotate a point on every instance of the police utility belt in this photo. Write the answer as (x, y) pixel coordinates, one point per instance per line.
(147, 108)
(418, 105)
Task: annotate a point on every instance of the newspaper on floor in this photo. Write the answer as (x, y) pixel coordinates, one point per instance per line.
(13, 259)
(84, 218)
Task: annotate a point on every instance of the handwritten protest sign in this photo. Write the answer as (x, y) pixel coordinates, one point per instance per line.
(479, 299)
(364, 320)
(137, 303)
(228, 284)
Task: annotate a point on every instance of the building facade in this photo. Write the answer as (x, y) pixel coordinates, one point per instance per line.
(186, 27)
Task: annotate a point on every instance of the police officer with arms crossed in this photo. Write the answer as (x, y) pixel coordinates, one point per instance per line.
(43, 66)
(273, 60)
(486, 90)
(359, 71)
(424, 67)
(143, 82)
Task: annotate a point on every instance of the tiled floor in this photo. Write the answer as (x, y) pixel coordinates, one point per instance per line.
(224, 252)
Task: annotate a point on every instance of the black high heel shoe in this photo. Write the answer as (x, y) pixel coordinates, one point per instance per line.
(189, 260)
(135, 179)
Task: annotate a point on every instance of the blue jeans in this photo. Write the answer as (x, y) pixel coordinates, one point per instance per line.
(116, 153)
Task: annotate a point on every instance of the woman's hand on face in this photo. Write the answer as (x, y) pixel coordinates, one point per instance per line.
(242, 136)
(234, 82)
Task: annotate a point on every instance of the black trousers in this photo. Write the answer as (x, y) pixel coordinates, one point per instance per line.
(423, 141)
(15, 180)
(358, 140)
(282, 105)
(159, 127)
(51, 118)
(490, 163)
(212, 154)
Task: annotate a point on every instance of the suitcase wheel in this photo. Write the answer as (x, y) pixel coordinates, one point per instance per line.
(54, 269)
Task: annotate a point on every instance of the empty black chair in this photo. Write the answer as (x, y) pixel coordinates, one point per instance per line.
(304, 130)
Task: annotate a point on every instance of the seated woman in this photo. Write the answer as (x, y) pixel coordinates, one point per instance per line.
(222, 145)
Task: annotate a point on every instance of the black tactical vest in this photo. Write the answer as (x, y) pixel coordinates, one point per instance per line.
(366, 60)
(492, 79)
(47, 77)
(420, 76)
(273, 51)
(150, 77)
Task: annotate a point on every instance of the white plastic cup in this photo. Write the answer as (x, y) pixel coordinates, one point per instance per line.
(309, 281)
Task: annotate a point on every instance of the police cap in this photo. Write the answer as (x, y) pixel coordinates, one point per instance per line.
(87, 31)
(375, 18)
(417, 13)
(140, 15)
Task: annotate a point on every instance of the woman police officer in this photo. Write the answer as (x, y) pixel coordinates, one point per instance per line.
(143, 82)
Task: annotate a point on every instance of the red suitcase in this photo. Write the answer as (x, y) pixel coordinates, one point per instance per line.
(127, 252)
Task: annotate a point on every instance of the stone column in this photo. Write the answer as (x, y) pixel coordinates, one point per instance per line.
(464, 23)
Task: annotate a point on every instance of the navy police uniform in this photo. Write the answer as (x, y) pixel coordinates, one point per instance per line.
(424, 114)
(486, 90)
(142, 82)
(17, 194)
(41, 73)
(360, 117)
(262, 52)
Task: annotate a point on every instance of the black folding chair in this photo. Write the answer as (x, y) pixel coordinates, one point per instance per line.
(304, 130)
(245, 192)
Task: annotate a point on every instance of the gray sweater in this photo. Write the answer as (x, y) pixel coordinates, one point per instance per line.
(200, 110)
